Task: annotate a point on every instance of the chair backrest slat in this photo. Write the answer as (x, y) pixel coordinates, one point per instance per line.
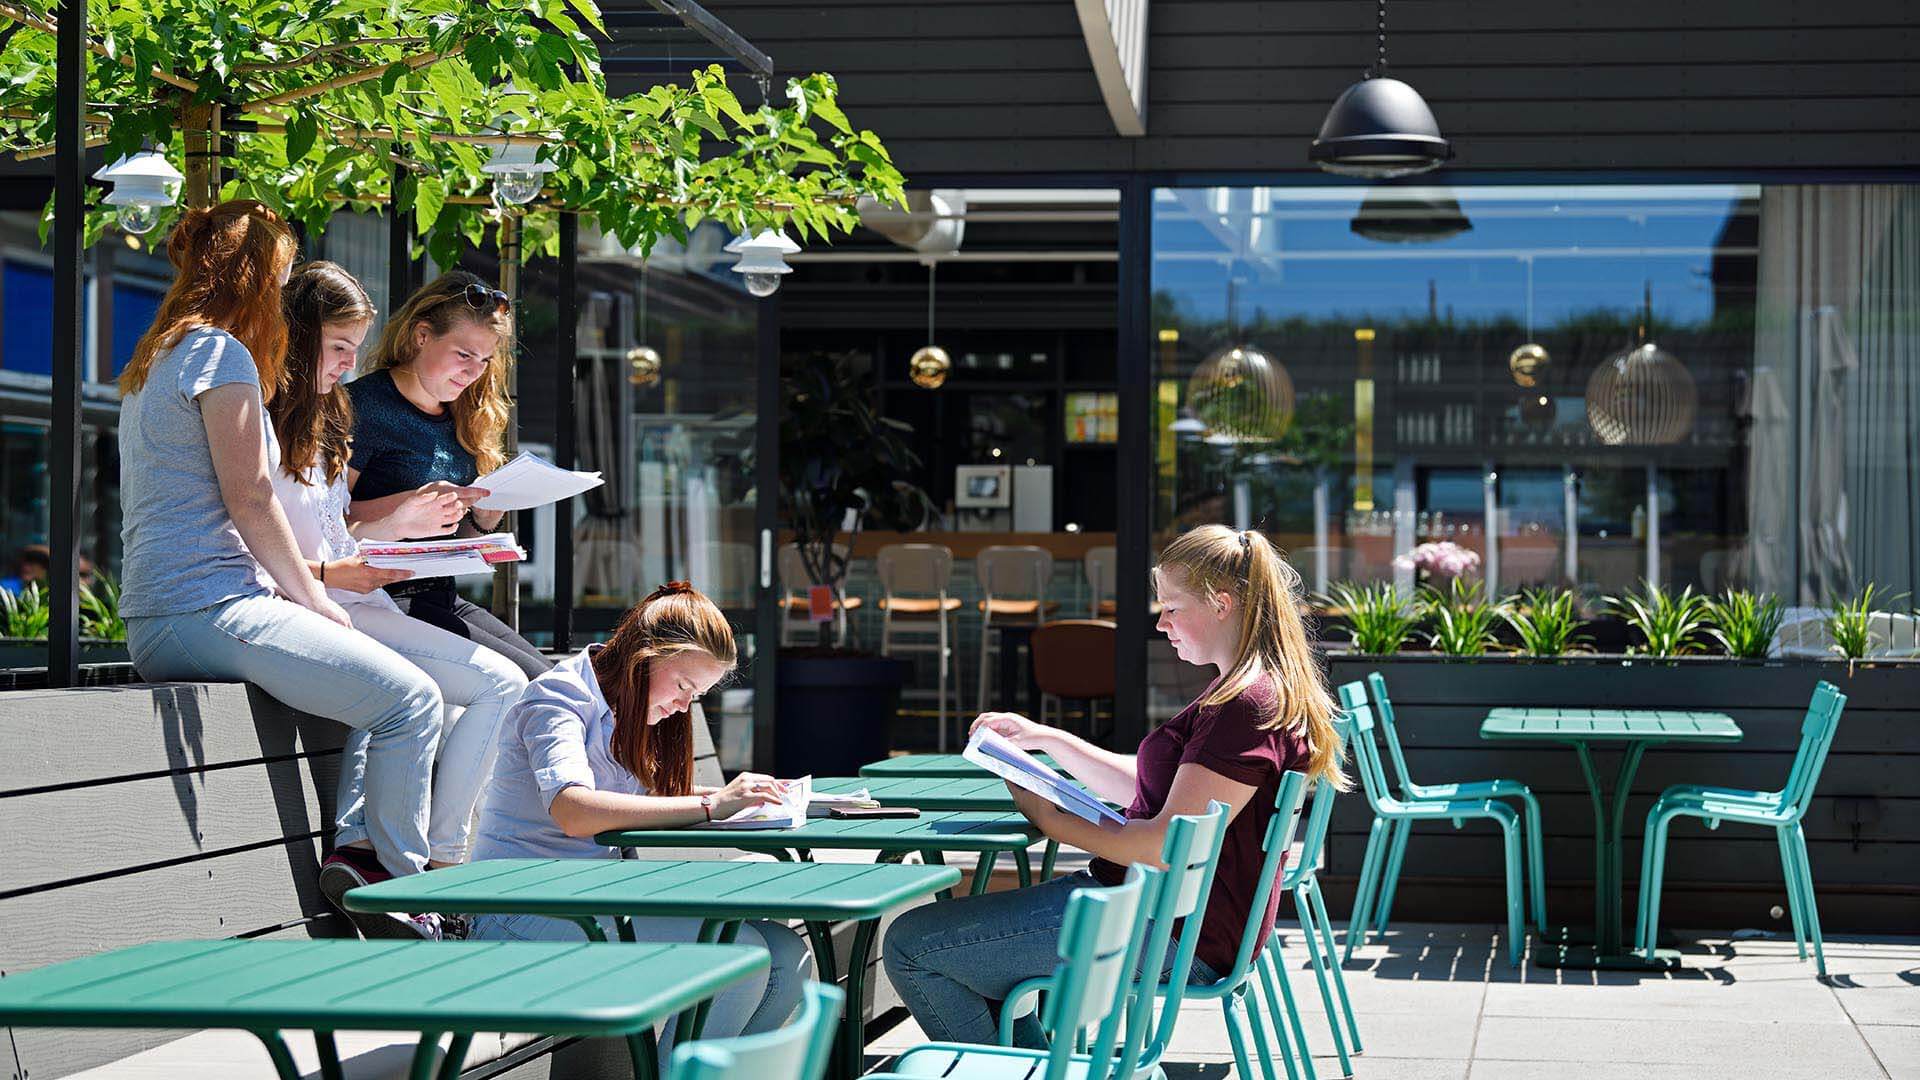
(1014, 571)
(1313, 838)
(916, 571)
(798, 1051)
(1817, 733)
(1281, 828)
(1192, 854)
(1389, 731)
(1366, 756)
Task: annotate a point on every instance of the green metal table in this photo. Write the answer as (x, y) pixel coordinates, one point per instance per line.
(934, 765)
(720, 894)
(1635, 730)
(456, 988)
(979, 790)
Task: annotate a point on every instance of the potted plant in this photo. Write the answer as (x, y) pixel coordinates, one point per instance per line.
(842, 465)
(25, 615)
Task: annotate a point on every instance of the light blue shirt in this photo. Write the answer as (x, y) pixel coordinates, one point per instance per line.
(558, 735)
(182, 551)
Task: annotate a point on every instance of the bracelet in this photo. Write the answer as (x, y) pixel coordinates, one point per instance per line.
(323, 571)
(706, 806)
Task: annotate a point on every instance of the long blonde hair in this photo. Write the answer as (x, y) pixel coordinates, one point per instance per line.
(1272, 641)
(480, 412)
(227, 261)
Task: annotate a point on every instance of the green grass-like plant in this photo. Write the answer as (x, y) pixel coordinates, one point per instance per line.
(1463, 617)
(1672, 623)
(100, 610)
(1547, 621)
(1744, 622)
(1850, 625)
(25, 614)
(1379, 619)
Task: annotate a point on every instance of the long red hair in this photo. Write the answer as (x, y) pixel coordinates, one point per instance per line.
(674, 618)
(227, 263)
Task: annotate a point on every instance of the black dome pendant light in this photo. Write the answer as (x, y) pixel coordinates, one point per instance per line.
(1380, 128)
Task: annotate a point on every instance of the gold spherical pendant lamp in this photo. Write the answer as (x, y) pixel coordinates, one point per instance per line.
(643, 365)
(1528, 365)
(1242, 395)
(929, 367)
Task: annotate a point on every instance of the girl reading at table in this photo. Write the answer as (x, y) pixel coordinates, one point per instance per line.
(215, 588)
(327, 318)
(604, 741)
(1227, 601)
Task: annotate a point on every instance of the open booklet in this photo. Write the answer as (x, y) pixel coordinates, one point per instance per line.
(530, 480)
(798, 803)
(444, 558)
(994, 753)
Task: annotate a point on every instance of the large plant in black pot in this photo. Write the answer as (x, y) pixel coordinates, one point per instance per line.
(842, 466)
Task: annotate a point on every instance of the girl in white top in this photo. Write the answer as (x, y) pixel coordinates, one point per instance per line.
(328, 314)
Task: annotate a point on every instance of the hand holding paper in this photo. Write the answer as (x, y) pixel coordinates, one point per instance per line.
(992, 752)
(530, 480)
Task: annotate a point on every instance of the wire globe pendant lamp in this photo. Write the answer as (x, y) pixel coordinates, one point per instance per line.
(1641, 395)
(1380, 127)
(1241, 394)
(930, 364)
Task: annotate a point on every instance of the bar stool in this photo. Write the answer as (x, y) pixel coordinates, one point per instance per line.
(1073, 660)
(794, 581)
(1099, 564)
(914, 605)
(1014, 578)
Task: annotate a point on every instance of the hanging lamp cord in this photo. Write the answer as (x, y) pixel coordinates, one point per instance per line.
(933, 267)
(1380, 40)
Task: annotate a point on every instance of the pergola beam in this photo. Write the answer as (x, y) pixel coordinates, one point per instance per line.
(1116, 34)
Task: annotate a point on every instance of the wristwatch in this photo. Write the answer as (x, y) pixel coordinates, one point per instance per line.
(706, 806)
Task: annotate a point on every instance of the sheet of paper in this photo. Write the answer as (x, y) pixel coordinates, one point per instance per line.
(530, 480)
(789, 813)
(997, 755)
(444, 558)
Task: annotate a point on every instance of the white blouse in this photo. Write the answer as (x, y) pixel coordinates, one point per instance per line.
(317, 511)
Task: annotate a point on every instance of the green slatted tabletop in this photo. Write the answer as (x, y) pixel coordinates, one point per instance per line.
(1634, 730)
(934, 765)
(720, 894)
(433, 987)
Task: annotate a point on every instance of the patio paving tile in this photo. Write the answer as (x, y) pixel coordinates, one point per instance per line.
(1897, 1047)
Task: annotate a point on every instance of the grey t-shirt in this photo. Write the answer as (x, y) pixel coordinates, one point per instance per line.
(181, 550)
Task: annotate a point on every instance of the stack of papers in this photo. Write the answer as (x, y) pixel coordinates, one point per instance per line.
(994, 753)
(530, 480)
(445, 558)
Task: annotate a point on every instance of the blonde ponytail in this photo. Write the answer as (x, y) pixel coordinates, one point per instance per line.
(1272, 641)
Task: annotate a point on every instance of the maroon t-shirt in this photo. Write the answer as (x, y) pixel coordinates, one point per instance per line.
(1227, 739)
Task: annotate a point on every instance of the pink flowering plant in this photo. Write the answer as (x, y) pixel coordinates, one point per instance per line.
(1439, 560)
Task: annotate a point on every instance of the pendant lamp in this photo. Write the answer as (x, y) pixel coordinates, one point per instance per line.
(1380, 127)
(930, 364)
(1641, 395)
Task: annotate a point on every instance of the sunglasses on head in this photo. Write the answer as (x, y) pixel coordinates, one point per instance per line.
(481, 297)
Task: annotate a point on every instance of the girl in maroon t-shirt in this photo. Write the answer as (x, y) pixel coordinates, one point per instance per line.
(1227, 601)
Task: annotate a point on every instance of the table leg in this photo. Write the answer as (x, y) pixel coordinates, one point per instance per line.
(1009, 672)
(424, 1054)
(595, 933)
(853, 1022)
(820, 938)
(937, 858)
(329, 1055)
(1023, 866)
(1047, 856)
(282, 1057)
(645, 1050)
(456, 1058)
(983, 872)
(1609, 816)
(693, 1022)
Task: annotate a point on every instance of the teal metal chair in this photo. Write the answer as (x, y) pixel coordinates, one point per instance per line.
(798, 1051)
(1389, 811)
(1395, 851)
(1302, 879)
(1780, 810)
(1095, 985)
(1234, 989)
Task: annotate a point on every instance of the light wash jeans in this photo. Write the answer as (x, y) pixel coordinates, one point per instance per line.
(953, 961)
(317, 666)
(757, 1003)
(473, 679)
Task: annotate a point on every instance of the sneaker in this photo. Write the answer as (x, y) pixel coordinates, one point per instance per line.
(349, 868)
(455, 927)
(428, 926)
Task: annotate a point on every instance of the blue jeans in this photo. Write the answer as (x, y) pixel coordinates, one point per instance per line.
(952, 961)
(757, 1003)
(318, 666)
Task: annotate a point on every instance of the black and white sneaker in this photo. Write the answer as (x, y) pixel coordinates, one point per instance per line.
(348, 869)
